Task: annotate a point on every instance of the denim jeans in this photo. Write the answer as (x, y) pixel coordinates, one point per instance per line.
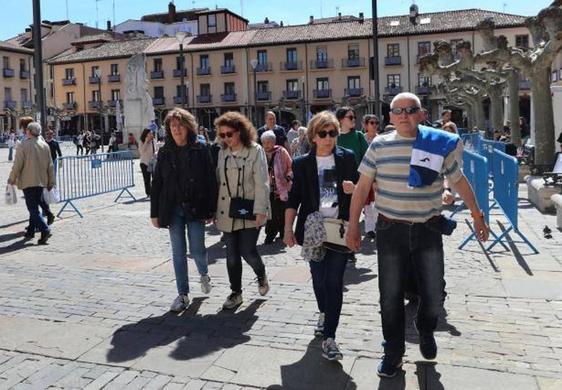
(33, 197)
(242, 243)
(196, 238)
(401, 245)
(327, 281)
(11, 153)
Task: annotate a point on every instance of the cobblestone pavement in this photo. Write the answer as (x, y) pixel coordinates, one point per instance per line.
(90, 310)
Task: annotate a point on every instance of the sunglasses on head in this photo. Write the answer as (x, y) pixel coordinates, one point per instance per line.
(324, 133)
(408, 110)
(228, 134)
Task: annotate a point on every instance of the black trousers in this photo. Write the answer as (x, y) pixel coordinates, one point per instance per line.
(277, 222)
(242, 244)
(147, 178)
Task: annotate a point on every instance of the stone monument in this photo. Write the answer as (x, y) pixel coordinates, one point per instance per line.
(138, 108)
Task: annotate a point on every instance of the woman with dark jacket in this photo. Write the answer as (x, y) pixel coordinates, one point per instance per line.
(184, 193)
(323, 181)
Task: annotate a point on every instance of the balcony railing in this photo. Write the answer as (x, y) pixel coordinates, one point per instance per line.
(158, 101)
(178, 100)
(423, 89)
(322, 64)
(202, 99)
(395, 60)
(71, 81)
(264, 96)
(390, 90)
(420, 56)
(322, 93)
(291, 94)
(226, 69)
(113, 103)
(204, 71)
(353, 92)
(114, 78)
(9, 72)
(157, 75)
(177, 73)
(70, 106)
(228, 98)
(94, 79)
(295, 65)
(94, 105)
(265, 67)
(525, 85)
(27, 104)
(25, 74)
(10, 104)
(353, 62)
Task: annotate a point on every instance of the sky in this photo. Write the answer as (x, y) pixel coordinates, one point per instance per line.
(18, 14)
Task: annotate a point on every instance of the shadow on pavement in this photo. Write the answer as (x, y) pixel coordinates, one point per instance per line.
(313, 372)
(222, 330)
(442, 325)
(16, 246)
(396, 383)
(356, 276)
(215, 252)
(516, 253)
(271, 249)
(428, 377)
(10, 236)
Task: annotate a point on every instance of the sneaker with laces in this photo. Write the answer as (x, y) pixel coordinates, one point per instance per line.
(206, 284)
(232, 301)
(263, 285)
(389, 367)
(330, 350)
(180, 303)
(319, 329)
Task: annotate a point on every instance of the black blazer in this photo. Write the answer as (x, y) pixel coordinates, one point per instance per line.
(305, 192)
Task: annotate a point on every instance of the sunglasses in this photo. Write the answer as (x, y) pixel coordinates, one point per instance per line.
(228, 134)
(373, 123)
(324, 133)
(350, 117)
(408, 110)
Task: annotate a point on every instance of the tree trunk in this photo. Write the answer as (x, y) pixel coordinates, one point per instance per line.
(543, 116)
(513, 92)
(479, 117)
(496, 108)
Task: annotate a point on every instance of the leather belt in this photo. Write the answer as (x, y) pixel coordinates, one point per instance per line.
(404, 222)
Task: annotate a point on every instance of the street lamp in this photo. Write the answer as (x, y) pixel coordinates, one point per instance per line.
(376, 60)
(303, 100)
(180, 36)
(254, 64)
(97, 72)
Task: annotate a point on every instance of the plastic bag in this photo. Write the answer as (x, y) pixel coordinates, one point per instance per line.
(11, 194)
(52, 196)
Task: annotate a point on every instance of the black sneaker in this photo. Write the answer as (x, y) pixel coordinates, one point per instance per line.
(388, 368)
(428, 346)
(44, 237)
(50, 218)
(29, 235)
(371, 235)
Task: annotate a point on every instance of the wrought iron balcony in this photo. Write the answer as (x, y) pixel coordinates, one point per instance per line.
(158, 101)
(226, 69)
(322, 64)
(10, 104)
(264, 96)
(204, 71)
(203, 99)
(228, 98)
(395, 60)
(27, 104)
(423, 89)
(353, 62)
(113, 103)
(157, 75)
(25, 74)
(9, 72)
(393, 90)
(70, 106)
(177, 73)
(295, 65)
(114, 78)
(94, 105)
(353, 92)
(71, 81)
(291, 94)
(94, 79)
(322, 93)
(265, 67)
(178, 100)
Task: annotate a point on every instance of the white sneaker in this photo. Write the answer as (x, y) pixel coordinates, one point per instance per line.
(330, 350)
(180, 303)
(319, 329)
(233, 300)
(263, 285)
(206, 284)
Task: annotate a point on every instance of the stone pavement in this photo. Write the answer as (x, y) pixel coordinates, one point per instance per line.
(89, 310)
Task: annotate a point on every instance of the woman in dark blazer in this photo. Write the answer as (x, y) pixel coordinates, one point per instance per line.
(323, 181)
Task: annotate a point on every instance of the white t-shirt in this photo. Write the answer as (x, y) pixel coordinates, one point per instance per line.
(327, 181)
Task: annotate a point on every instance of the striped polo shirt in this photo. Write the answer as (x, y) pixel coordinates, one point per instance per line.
(387, 161)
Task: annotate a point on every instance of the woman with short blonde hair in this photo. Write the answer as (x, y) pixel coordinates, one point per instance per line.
(320, 121)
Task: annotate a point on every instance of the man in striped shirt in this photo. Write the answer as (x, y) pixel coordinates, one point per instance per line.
(408, 228)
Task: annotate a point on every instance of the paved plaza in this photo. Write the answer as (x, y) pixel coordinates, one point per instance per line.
(90, 310)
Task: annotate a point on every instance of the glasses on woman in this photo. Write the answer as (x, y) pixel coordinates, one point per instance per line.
(323, 133)
(350, 117)
(408, 110)
(227, 134)
(373, 123)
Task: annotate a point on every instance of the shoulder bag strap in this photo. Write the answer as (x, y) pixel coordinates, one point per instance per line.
(228, 183)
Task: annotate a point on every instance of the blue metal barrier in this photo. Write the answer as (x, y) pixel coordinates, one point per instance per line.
(506, 187)
(486, 149)
(82, 177)
(472, 141)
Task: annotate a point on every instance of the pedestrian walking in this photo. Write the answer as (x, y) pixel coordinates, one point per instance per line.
(112, 144)
(184, 194)
(243, 202)
(11, 141)
(54, 146)
(280, 178)
(271, 124)
(78, 141)
(32, 172)
(300, 145)
(408, 166)
(323, 181)
(147, 152)
(293, 132)
(371, 126)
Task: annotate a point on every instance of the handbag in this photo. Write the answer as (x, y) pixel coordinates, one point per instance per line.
(239, 208)
(11, 195)
(51, 197)
(336, 231)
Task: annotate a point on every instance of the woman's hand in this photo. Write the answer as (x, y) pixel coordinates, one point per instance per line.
(155, 222)
(348, 187)
(289, 238)
(260, 220)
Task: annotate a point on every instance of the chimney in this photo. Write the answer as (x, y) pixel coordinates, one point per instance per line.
(339, 15)
(266, 20)
(361, 16)
(281, 24)
(311, 21)
(109, 25)
(171, 12)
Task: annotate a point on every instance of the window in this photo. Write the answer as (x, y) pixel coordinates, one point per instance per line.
(212, 20)
(353, 51)
(424, 48)
(23, 94)
(424, 80)
(158, 92)
(263, 86)
(157, 63)
(7, 94)
(262, 57)
(292, 85)
(322, 83)
(454, 43)
(96, 96)
(178, 91)
(228, 59)
(179, 61)
(23, 66)
(522, 41)
(229, 89)
(69, 73)
(115, 94)
(70, 97)
(393, 80)
(354, 82)
(203, 61)
(6, 62)
(393, 50)
(321, 54)
(205, 89)
(114, 69)
(292, 55)
(51, 72)
(95, 70)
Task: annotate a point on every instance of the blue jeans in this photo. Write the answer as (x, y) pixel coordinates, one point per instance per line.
(196, 238)
(401, 245)
(33, 197)
(11, 153)
(327, 281)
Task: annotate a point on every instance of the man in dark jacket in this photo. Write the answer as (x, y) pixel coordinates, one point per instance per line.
(271, 124)
(53, 145)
